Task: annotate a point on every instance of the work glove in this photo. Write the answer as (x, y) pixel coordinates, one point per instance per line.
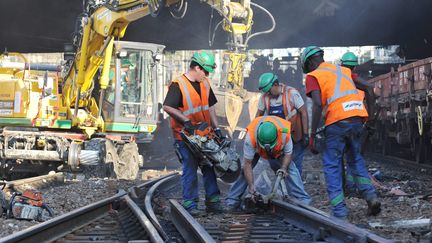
(283, 172)
(305, 140)
(189, 128)
(312, 145)
(219, 134)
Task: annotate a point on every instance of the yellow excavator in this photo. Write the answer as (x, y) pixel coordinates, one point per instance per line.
(90, 117)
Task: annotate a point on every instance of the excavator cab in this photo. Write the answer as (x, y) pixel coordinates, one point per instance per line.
(130, 103)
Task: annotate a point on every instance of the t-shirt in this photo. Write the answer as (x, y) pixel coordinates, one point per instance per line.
(249, 151)
(296, 101)
(174, 97)
(312, 83)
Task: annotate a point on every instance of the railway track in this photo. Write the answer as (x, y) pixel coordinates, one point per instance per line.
(401, 162)
(150, 212)
(37, 182)
(114, 219)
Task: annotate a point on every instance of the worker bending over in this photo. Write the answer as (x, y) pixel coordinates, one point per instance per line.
(334, 94)
(269, 138)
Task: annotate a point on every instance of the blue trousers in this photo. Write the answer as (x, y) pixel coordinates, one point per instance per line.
(190, 181)
(338, 136)
(297, 156)
(293, 183)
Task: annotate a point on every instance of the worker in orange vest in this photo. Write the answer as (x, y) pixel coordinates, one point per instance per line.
(286, 103)
(189, 101)
(268, 138)
(334, 95)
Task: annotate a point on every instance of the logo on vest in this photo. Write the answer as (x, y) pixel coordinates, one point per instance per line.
(352, 105)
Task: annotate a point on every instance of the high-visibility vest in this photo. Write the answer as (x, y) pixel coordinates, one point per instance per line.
(284, 131)
(195, 107)
(290, 112)
(339, 96)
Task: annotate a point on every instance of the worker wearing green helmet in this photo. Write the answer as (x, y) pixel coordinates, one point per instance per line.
(190, 100)
(349, 60)
(285, 102)
(268, 138)
(331, 87)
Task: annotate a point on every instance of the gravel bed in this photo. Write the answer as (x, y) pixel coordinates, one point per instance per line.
(394, 207)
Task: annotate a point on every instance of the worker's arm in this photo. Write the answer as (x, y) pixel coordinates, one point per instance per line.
(261, 107)
(369, 94)
(260, 113)
(304, 118)
(175, 113)
(316, 110)
(213, 117)
(287, 150)
(247, 170)
(248, 156)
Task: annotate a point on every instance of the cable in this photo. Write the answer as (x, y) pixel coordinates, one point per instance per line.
(265, 31)
(179, 9)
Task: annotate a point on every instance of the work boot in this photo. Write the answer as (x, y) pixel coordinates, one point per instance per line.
(194, 212)
(231, 208)
(374, 207)
(214, 207)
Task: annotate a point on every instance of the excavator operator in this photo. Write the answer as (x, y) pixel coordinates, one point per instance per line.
(190, 100)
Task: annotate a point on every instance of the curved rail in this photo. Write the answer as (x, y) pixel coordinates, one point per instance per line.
(117, 218)
(163, 184)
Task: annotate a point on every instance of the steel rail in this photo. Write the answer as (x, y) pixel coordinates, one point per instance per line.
(163, 184)
(388, 159)
(324, 228)
(319, 225)
(188, 227)
(80, 218)
(33, 182)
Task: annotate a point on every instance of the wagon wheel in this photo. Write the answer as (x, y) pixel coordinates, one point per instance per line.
(127, 166)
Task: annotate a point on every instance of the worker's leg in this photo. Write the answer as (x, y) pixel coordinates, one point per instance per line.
(210, 184)
(356, 163)
(239, 187)
(189, 177)
(332, 163)
(297, 156)
(293, 181)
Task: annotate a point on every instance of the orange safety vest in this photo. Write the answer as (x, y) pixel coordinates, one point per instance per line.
(291, 112)
(195, 107)
(339, 96)
(284, 131)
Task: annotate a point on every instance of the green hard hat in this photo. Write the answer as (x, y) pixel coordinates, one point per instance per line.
(205, 59)
(266, 81)
(125, 61)
(308, 52)
(349, 59)
(267, 135)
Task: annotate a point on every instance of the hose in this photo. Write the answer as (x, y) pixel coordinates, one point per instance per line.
(184, 6)
(265, 31)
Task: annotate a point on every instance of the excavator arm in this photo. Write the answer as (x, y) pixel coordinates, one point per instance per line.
(106, 21)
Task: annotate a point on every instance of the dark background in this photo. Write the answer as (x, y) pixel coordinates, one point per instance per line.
(45, 25)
